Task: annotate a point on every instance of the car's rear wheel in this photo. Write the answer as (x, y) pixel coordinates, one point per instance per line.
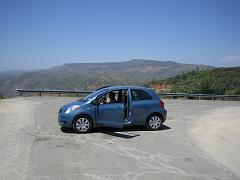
(82, 124)
(154, 122)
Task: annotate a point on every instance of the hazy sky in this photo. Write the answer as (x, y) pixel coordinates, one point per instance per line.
(43, 33)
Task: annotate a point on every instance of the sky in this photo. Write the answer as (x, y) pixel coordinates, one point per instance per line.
(36, 34)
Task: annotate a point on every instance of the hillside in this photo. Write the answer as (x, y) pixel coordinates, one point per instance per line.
(89, 76)
(208, 81)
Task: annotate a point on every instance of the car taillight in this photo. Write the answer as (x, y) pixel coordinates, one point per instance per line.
(161, 104)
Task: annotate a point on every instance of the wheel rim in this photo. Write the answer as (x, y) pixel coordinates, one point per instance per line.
(82, 124)
(155, 122)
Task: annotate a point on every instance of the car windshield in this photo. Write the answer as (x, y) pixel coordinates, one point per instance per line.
(94, 94)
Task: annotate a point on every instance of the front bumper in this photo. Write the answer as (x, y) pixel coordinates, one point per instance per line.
(65, 120)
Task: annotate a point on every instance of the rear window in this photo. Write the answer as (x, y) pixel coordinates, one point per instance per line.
(138, 94)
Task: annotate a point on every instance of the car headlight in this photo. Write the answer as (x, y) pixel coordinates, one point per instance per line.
(72, 108)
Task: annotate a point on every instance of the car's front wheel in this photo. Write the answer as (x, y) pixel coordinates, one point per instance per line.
(154, 122)
(82, 124)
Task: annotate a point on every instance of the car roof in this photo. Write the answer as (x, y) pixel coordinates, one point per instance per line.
(123, 87)
(149, 90)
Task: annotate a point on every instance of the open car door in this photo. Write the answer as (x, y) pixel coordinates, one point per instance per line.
(113, 113)
(128, 109)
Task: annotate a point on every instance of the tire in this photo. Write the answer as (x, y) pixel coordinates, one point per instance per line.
(154, 122)
(82, 124)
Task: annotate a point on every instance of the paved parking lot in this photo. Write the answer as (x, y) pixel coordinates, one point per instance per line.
(200, 140)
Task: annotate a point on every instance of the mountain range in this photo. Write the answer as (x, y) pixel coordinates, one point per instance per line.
(89, 76)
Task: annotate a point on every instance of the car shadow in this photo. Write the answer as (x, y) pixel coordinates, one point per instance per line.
(126, 132)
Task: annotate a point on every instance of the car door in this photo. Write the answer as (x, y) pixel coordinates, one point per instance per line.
(110, 114)
(128, 105)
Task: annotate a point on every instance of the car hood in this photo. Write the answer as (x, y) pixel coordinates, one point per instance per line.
(64, 107)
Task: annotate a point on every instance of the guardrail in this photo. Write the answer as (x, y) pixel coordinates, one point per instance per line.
(20, 92)
(201, 96)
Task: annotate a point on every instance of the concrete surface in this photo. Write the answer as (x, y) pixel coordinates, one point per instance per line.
(200, 140)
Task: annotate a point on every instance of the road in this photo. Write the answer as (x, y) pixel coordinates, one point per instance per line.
(200, 140)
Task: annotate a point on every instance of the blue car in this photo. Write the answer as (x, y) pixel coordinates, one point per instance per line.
(115, 106)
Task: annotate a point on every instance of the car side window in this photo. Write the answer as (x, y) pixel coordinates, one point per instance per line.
(138, 94)
(116, 96)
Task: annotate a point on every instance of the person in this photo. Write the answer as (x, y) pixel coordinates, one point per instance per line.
(112, 97)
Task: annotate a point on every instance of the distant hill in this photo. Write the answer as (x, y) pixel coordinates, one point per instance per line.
(14, 72)
(208, 81)
(89, 76)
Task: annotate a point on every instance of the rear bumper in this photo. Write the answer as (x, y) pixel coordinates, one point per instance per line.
(164, 114)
